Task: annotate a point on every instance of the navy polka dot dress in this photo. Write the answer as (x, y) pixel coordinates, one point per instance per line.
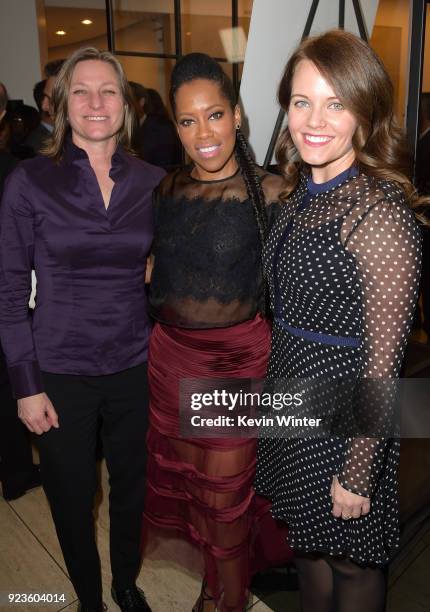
(343, 264)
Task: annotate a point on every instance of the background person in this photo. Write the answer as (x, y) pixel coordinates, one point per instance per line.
(38, 136)
(17, 472)
(343, 263)
(7, 160)
(23, 120)
(42, 93)
(81, 216)
(155, 139)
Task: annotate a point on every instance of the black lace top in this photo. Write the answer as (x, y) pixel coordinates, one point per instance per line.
(207, 248)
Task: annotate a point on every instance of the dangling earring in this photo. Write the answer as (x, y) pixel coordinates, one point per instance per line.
(238, 126)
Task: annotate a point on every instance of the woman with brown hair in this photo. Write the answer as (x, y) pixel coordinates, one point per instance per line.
(343, 262)
(81, 216)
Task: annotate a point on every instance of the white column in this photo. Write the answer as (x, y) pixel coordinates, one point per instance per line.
(275, 30)
(20, 57)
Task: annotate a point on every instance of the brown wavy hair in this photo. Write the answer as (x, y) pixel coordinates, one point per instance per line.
(60, 95)
(362, 84)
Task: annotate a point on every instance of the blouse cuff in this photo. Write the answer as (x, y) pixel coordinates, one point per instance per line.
(26, 379)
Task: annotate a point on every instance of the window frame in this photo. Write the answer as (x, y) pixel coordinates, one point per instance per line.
(178, 38)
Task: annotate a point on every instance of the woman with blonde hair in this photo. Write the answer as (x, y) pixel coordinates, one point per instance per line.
(81, 216)
(343, 263)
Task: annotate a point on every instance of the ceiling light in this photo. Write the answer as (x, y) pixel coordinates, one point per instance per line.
(61, 33)
(86, 22)
(188, 33)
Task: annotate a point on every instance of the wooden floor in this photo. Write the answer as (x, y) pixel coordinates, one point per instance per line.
(31, 561)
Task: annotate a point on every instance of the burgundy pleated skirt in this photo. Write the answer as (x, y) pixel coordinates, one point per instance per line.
(202, 488)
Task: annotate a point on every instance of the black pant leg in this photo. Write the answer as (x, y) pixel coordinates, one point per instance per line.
(15, 447)
(68, 468)
(125, 419)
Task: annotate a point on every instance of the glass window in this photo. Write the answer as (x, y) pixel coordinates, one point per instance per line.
(390, 40)
(138, 28)
(245, 11)
(152, 72)
(148, 26)
(69, 28)
(228, 69)
(201, 23)
(426, 64)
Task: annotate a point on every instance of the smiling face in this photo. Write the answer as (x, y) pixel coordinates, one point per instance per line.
(320, 126)
(95, 105)
(207, 128)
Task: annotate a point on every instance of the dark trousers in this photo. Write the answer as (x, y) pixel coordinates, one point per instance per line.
(16, 460)
(68, 467)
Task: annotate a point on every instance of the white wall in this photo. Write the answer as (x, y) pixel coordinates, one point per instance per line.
(19, 48)
(273, 35)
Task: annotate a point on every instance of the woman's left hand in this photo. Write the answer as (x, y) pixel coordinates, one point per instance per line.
(345, 504)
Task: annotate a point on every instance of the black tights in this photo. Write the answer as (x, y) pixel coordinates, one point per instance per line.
(333, 584)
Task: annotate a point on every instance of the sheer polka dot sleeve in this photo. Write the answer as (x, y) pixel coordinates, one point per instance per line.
(385, 241)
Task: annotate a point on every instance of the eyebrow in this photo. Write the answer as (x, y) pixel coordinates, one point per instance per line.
(88, 82)
(209, 108)
(299, 95)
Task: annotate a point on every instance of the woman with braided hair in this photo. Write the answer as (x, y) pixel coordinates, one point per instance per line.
(207, 296)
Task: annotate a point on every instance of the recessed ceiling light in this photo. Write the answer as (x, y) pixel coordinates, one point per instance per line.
(86, 21)
(61, 33)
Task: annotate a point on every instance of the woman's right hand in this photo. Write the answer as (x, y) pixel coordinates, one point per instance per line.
(37, 413)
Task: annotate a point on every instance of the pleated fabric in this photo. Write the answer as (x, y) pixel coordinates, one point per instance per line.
(202, 487)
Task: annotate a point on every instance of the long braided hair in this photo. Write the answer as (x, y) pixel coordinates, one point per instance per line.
(201, 66)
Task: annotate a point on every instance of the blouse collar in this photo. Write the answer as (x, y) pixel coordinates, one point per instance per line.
(315, 188)
(75, 155)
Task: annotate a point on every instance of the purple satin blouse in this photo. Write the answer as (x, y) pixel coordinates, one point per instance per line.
(91, 309)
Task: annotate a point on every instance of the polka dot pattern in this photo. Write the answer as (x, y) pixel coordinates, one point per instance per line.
(347, 266)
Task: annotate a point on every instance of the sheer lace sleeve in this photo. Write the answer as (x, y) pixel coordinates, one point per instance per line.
(385, 241)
